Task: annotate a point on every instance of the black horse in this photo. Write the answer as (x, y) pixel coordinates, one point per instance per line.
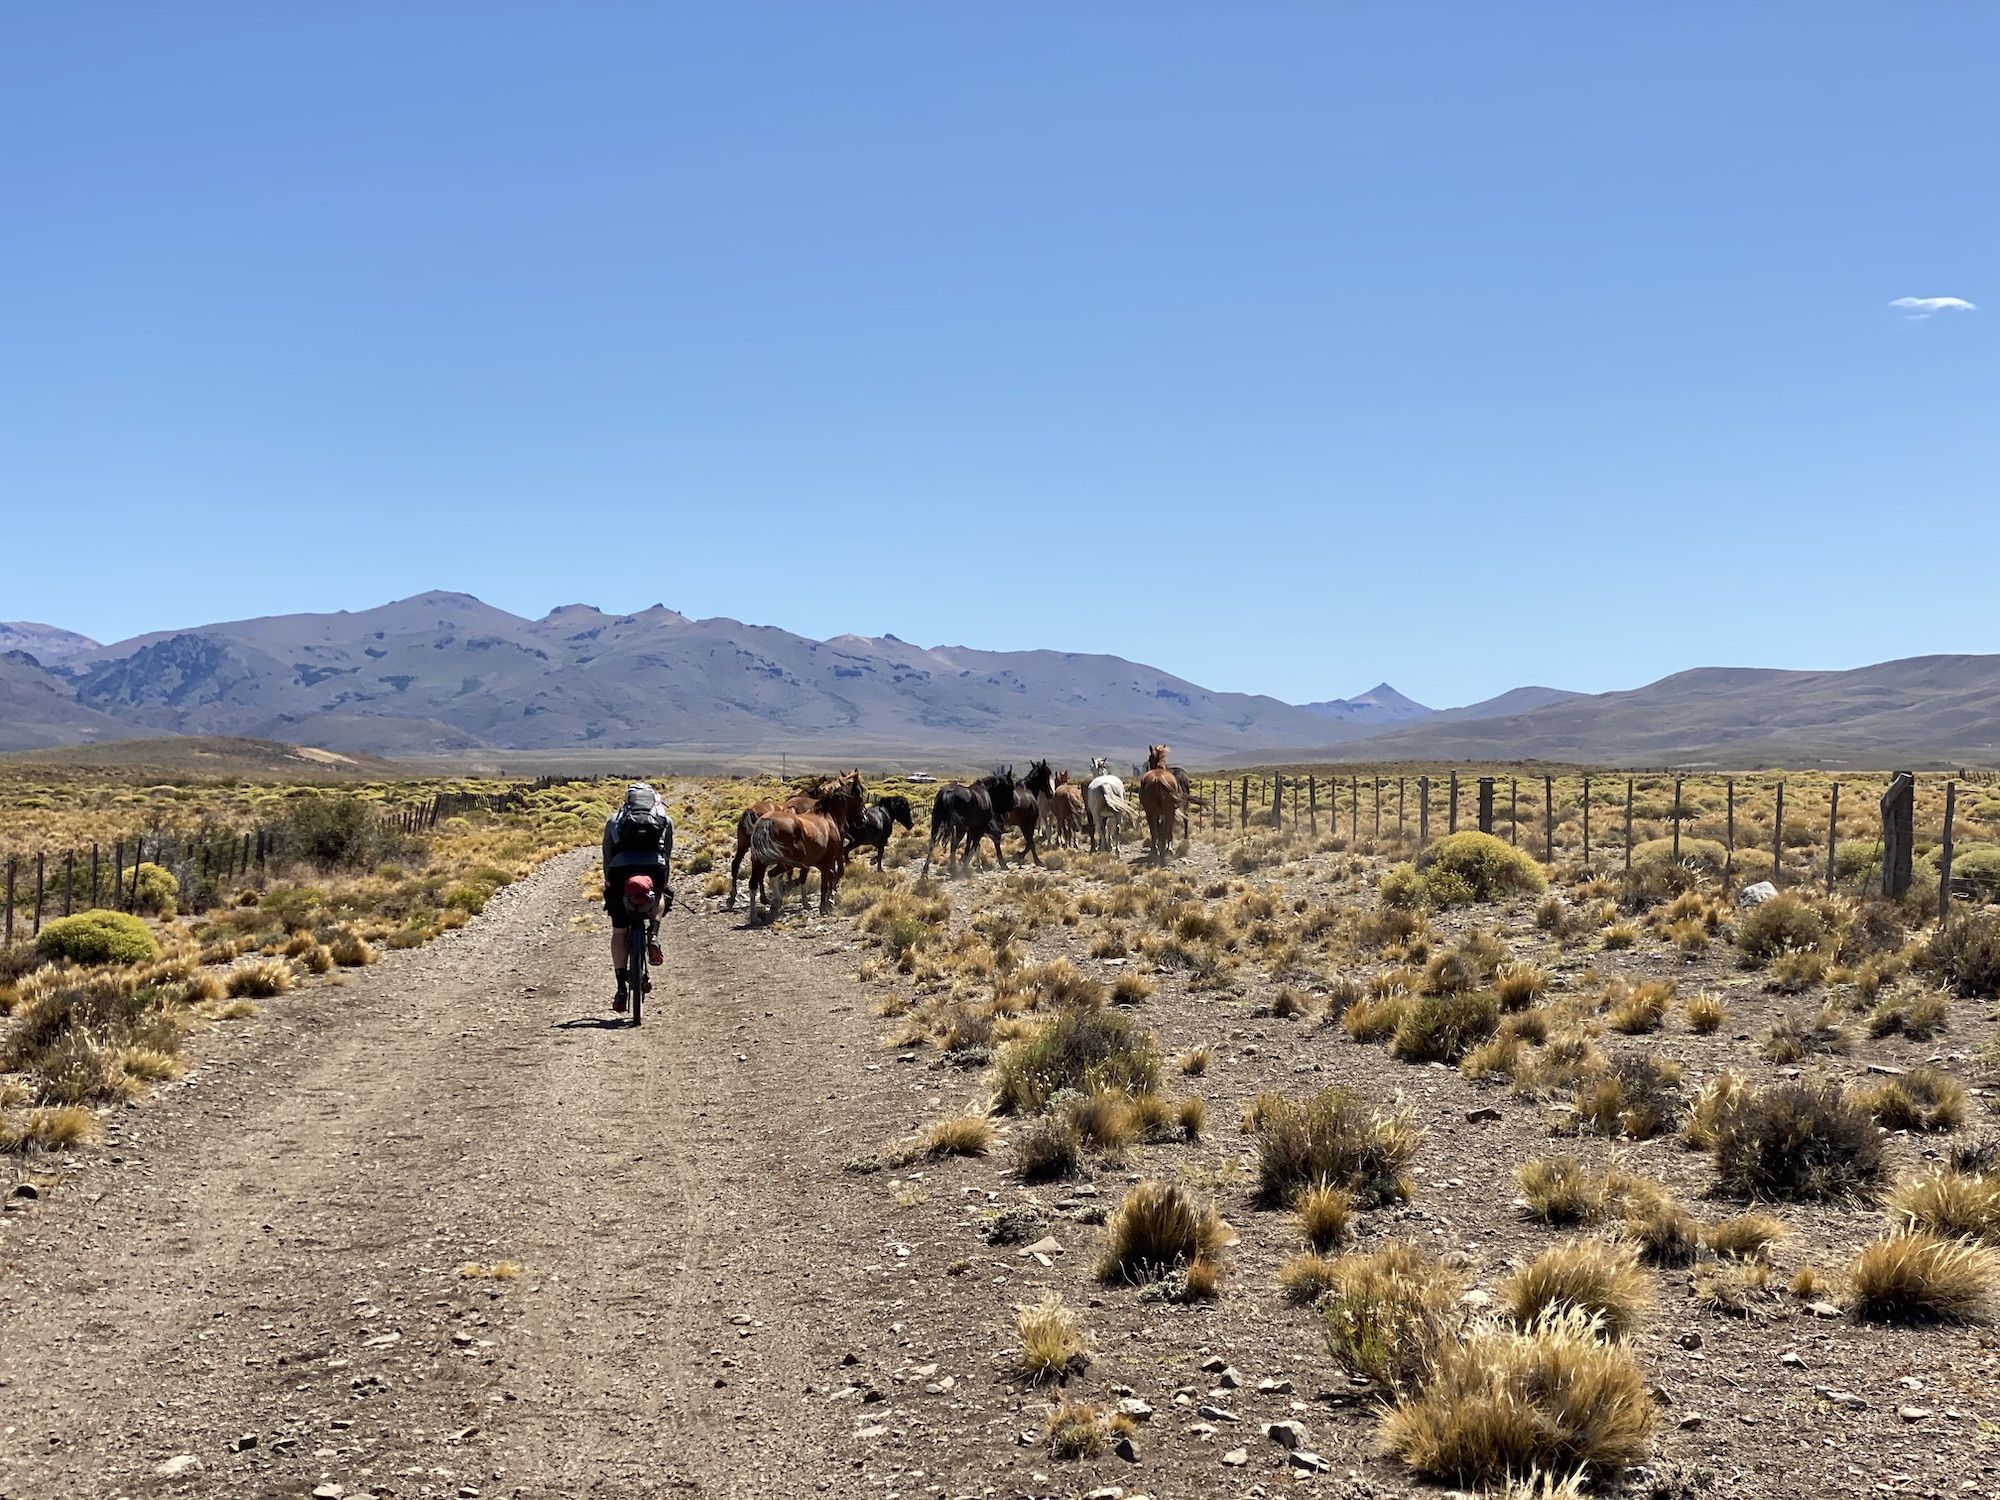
(878, 823)
(1039, 783)
(971, 813)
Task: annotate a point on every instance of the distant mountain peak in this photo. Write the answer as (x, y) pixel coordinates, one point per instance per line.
(1381, 704)
(48, 644)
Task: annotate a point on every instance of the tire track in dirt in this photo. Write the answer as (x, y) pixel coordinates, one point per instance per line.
(271, 1249)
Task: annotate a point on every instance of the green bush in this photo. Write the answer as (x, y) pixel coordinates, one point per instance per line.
(1784, 924)
(154, 890)
(1478, 864)
(1973, 866)
(1402, 887)
(99, 937)
(337, 830)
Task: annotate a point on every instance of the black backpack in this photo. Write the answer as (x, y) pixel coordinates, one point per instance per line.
(640, 831)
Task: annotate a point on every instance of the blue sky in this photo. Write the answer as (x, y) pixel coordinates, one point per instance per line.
(1285, 347)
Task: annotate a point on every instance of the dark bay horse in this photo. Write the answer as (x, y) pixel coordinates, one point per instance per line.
(878, 823)
(971, 813)
(1039, 783)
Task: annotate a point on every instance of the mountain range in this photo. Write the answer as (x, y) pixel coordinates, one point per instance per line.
(443, 674)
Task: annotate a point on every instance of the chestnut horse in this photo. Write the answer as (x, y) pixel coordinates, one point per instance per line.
(747, 820)
(1062, 809)
(814, 840)
(1160, 795)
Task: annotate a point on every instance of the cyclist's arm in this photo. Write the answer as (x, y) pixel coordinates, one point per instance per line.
(608, 824)
(667, 866)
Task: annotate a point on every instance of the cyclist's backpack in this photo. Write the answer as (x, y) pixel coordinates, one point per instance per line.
(641, 830)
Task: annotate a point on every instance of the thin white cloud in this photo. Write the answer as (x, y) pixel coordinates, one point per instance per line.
(1919, 308)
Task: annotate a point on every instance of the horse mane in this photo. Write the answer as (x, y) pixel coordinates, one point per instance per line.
(1156, 757)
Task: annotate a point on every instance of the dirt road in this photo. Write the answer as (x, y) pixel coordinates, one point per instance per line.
(255, 1287)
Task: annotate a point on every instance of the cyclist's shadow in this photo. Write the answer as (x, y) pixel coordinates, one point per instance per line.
(592, 1023)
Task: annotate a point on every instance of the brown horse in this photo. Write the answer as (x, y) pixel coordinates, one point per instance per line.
(1160, 795)
(1062, 809)
(1026, 813)
(800, 841)
(747, 820)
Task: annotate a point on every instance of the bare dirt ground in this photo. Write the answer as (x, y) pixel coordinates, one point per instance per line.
(255, 1287)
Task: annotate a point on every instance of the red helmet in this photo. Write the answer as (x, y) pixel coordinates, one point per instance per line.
(638, 892)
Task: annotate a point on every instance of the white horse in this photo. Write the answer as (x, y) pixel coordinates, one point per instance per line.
(1105, 800)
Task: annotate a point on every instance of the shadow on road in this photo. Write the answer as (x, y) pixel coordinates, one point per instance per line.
(590, 1023)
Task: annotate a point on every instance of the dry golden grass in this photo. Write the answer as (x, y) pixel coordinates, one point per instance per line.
(1600, 1278)
(958, 1135)
(1075, 1429)
(1306, 1277)
(1160, 1228)
(1552, 1399)
(1560, 1190)
(1390, 1312)
(1333, 1138)
(1919, 1277)
(1745, 1236)
(1705, 1014)
(1637, 1009)
(260, 980)
(1324, 1213)
(1923, 1100)
(1953, 1204)
(1194, 1062)
(499, 1270)
(1047, 1148)
(1053, 1342)
(48, 1129)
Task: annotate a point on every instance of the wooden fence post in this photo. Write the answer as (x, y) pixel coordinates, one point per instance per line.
(69, 880)
(1778, 840)
(1677, 820)
(1401, 830)
(1586, 825)
(93, 873)
(38, 895)
(1451, 817)
(10, 898)
(1832, 835)
(1312, 805)
(1944, 856)
(1628, 827)
(1486, 804)
(1278, 802)
(1378, 806)
(1514, 811)
(1423, 811)
(1729, 855)
(1548, 819)
(1243, 817)
(1899, 835)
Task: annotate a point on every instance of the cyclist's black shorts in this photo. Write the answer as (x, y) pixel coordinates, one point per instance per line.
(614, 889)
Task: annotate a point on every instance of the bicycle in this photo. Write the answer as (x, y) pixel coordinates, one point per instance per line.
(642, 936)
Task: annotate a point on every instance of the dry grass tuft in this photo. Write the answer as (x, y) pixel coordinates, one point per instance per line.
(1922, 1100)
(1796, 1141)
(1637, 1009)
(1333, 1138)
(49, 1129)
(1306, 1277)
(958, 1135)
(1075, 1429)
(1748, 1236)
(1053, 1342)
(1924, 1278)
(1599, 1278)
(1157, 1230)
(1391, 1312)
(1325, 1214)
(1047, 1149)
(1501, 1404)
(1955, 1205)
(351, 951)
(260, 981)
(1706, 1013)
(1194, 1062)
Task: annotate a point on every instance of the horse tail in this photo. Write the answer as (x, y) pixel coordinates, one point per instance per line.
(1116, 803)
(764, 847)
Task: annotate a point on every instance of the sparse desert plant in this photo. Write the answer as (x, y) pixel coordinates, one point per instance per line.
(1047, 1148)
(1194, 1062)
(1797, 1141)
(1560, 1190)
(1922, 1100)
(1796, 1034)
(1784, 924)
(1620, 935)
(1131, 989)
(1519, 985)
(1745, 1236)
(260, 981)
(98, 937)
(1554, 1398)
(1484, 868)
(1376, 1018)
(1639, 1008)
(1496, 1057)
(958, 1135)
(1192, 1116)
(154, 890)
(1736, 1288)
(1325, 1214)
(1706, 1013)
(1391, 1312)
(1919, 1017)
(1665, 1233)
(1966, 954)
(1103, 1119)
(1600, 1278)
(1158, 1229)
(1716, 1095)
(48, 1129)
(1333, 1138)
(1401, 888)
(1306, 1277)
(1636, 1095)
(1075, 1429)
(1443, 1028)
(1052, 1339)
(1082, 1048)
(1949, 1203)
(1924, 1278)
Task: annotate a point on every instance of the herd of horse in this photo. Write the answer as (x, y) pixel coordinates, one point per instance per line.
(818, 828)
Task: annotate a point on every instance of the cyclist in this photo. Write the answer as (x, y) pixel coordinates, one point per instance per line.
(638, 845)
